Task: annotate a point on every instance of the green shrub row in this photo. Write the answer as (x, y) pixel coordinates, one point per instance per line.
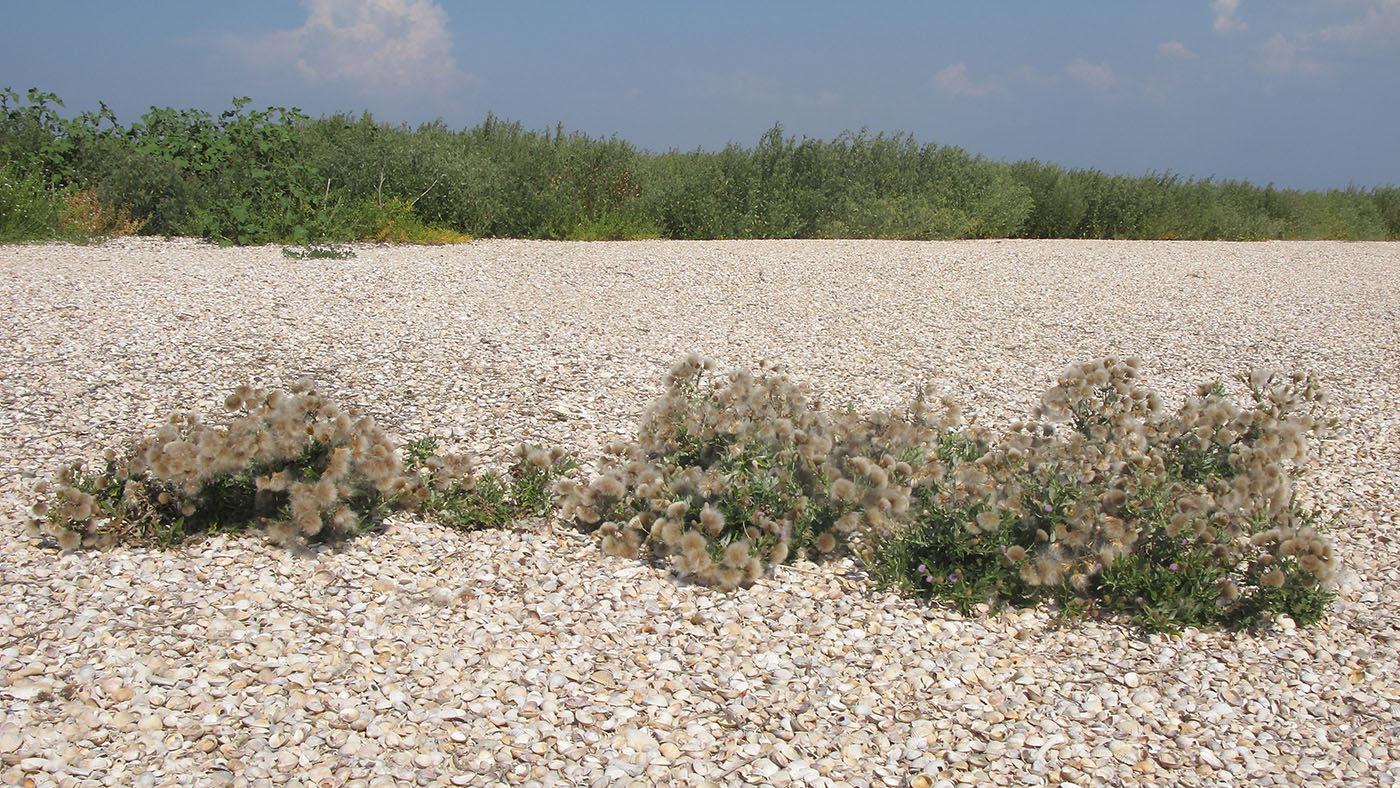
(276, 175)
(1103, 501)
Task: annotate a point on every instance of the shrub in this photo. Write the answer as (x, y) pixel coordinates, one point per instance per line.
(1106, 502)
(84, 215)
(27, 212)
(290, 462)
(147, 187)
(734, 472)
(275, 175)
(460, 499)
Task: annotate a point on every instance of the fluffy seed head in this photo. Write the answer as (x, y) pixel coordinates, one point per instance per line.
(345, 519)
(753, 570)
(736, 553)
(70, 540)
(670, 532)
(712, 519)
(779, 553)
(844, 490)
(692, 544)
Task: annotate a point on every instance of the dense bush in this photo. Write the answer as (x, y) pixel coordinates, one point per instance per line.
(257, 176)
(1107, 501)
(1104, 502)
(27, 211)
(736, 472)
(289, 462)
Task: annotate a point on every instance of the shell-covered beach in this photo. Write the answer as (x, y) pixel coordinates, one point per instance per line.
(425, 656)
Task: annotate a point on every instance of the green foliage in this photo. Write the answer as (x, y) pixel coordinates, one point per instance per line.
(1183, 519)
(289, 463)
(1105, 503)
(613, 227)
(27, 211)
(471, 502)
(275, 175)
(319, 252)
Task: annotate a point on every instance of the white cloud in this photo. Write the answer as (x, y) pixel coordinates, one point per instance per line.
(1378, 23)
(1225, 21)
(375, 47)
(953, 81)
(1175, 50)
(1282, 57)
(1099, 76)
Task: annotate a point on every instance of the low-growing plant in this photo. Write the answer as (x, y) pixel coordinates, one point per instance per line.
(289, 462)
(735, 472)
(27, 211)
(395, 221)
(459, 498)
(1103, 502)
(613, 227)
(1108, 503)
(318, 251)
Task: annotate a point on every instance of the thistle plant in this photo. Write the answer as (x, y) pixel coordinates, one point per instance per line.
(455, 495)
(735, 472)
(290, 462)
(1104, 501)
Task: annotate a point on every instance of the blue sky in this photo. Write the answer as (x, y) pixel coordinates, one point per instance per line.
(1300, 93)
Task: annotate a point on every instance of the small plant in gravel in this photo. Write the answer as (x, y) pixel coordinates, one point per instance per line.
(290, 462)
(735, 472)
(456, 496)
(1102, 502)
(318, 252)
(1107, 503)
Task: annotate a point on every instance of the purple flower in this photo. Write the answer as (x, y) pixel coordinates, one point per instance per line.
(1174, 567)
(953, 577)
(1049, 508)
(923, 569)
(928, 578)
(1141, 601)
